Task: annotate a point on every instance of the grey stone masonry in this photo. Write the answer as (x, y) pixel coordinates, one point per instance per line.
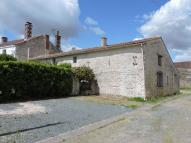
(140, 68)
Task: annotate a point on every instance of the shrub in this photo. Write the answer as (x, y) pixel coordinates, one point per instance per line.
(66, 67)
(83, 73)
(5, 57)
(26, 80)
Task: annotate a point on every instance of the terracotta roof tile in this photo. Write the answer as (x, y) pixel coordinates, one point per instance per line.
(19, 41)
(9, 43)
(186, 65)
(95, 49)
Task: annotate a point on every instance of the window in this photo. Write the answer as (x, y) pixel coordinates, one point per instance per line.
(159, 79)
(159, 60)
(135, 60)
(4, 52)
(74, 59)
(176, 80)
(54, 61)
(167, 80)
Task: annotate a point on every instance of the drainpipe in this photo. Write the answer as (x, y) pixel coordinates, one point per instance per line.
(142, 51)
(28, 53)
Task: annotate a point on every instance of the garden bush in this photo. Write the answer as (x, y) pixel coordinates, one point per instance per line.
(26, 80)
(83, 73)
(5, 57)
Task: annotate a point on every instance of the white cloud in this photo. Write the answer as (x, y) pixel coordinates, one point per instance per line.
(90, 21)
(93, 26)
(45, 15)
(66, 46)
(173, 22)
(138, 38)
(97, 30)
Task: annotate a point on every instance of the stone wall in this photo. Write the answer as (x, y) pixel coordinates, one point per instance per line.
(170, 74)
(129, 71)
(185, 77)
(35, 47)
(118, 71)
(184, 69)
(31, 48)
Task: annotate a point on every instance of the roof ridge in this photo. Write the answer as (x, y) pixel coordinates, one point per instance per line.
(19, 41)
(99, 48)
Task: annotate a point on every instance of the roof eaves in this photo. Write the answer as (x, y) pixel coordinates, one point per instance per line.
(95, 49)
(26, 40)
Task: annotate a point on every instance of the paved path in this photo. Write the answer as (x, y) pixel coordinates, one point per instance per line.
(169, 122)
(33, 121)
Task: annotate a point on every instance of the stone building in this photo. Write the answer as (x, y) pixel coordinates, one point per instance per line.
(184, 69)
(141, 68)
(30, 46)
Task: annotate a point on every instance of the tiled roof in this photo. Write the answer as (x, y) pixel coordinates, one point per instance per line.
(186, 65)
(9, 43)
(19, 41)
(95, 49)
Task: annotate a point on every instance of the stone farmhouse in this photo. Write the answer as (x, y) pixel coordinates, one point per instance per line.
(31, 46)
(141, 68)
(184, 69)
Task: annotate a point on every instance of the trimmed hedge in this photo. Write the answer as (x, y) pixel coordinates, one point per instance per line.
(26, 80)
(5, 57)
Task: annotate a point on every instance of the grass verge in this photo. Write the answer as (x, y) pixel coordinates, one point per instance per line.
(131, 103)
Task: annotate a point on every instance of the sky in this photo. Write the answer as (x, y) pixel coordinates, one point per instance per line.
(83, 22)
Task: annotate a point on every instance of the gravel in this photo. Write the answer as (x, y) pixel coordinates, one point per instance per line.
(33, 121)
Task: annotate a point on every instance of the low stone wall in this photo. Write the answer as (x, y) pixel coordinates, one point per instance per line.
(185, 77)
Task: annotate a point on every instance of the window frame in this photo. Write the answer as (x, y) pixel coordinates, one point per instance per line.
(54, 61)
(75, 59)
(160, 79)
(160, 57)
(167, 80)
(4, 51)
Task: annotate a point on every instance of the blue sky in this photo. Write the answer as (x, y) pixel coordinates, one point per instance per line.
(120, 19)
(84, 22)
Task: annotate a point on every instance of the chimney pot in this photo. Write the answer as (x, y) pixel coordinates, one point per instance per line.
(103, 41)
(28, 30)
(58, 40)
(47, 41)
(4, 40)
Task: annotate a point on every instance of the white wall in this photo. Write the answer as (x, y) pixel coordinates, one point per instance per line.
(10, 50)
(170, 82)
(115, 70)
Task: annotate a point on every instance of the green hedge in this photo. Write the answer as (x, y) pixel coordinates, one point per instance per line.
(83, 73)
(26, 80)
(5, 57)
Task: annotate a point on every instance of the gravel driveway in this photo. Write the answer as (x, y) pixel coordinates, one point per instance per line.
(169, 122)
(33, 121)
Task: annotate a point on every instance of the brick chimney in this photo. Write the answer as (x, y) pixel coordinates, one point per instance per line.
(28, 30)
(58, 40)
(4, 40)
(47, 45)
(103, 41)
